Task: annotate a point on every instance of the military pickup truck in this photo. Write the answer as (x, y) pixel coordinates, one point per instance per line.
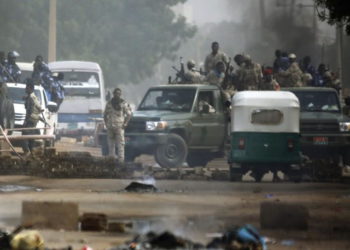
(177, 124)
(325, 131)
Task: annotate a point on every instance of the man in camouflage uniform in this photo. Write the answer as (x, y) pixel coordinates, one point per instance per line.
(33, 112)
(192, 76)
(214, 57)
(292, 77)
(116, 117)
(251, 75)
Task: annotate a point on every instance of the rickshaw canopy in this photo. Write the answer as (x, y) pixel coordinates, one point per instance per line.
(265, 111)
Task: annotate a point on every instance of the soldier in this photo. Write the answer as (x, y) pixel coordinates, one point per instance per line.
(251, 75)
(33, 111)
(2, 64)
(268, 83)
(43, 76)
(217, 75)
(116, 117)
(292, 77)
(192, 76)
(214, 57)
(12, 69)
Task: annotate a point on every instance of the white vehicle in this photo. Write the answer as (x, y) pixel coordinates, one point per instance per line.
(16, 92)
(84, 97)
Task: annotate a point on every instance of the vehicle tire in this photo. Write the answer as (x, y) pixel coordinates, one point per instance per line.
(258, 175)
(235, 174)
(173, 153)
(130, 155)
(346, 157)
(194, 160)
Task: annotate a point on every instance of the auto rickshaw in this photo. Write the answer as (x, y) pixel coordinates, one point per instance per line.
(265, 134)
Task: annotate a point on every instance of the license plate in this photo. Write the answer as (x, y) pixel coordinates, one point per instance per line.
(320, 140)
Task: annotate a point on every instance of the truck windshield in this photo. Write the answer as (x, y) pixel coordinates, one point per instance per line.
(77, 83)
(314, 101)
(179, 100)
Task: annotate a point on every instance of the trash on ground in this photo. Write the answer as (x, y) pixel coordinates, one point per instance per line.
(17, 188)
(140, 187)
(239, 238)
(288, 243)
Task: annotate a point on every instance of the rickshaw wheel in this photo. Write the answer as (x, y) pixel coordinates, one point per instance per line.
(235, 174)
(173, 153)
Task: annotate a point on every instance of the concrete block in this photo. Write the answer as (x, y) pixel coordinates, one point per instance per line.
(50, 215)
(93, 222)
(282, 215)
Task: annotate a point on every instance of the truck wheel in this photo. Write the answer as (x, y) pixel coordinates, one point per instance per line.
(194, 160)
(173, 153)
(235, 174)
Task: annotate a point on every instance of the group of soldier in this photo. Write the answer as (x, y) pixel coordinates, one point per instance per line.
(10, 72)
(249, 75)
(41, 75)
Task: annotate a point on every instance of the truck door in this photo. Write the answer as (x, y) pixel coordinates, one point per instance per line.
(208, 124)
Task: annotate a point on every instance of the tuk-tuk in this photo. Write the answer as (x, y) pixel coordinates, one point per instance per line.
(264, 134)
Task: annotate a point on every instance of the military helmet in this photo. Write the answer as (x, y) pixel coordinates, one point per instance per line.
(13, 54)
(292, 56)
(191, 63)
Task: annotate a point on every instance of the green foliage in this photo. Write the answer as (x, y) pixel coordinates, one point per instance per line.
(334, 12)
(127, 37)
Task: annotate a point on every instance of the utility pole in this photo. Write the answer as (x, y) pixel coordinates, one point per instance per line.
(52, 31)
(339, 42)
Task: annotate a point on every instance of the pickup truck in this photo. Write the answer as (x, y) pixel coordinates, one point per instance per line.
(325, 130)
(177, 124)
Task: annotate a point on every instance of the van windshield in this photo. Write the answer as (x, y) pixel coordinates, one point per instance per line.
(180, 100)
(321, 101)
(77, 83)
(17, 94)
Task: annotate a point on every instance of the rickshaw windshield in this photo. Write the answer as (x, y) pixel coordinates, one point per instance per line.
(267, 116)
(318, 101)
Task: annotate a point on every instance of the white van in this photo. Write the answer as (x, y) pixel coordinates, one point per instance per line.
(84, 97)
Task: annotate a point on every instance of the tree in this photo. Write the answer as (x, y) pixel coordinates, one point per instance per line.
(334, 12)
(128, 38)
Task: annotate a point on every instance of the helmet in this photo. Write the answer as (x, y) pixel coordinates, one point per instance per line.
(13, 54)
(191, 63)
(292, 56)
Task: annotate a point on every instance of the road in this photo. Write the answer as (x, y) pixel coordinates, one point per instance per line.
(188, 208)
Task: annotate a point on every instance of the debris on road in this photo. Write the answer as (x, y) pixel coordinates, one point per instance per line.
(93, 222)
(140, 187)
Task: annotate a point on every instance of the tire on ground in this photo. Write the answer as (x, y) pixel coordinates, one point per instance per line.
(235, 174)
(173, 153)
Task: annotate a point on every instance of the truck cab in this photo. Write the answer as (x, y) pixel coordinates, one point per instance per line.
(177, 124)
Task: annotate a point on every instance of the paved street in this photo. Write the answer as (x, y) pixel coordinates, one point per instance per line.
(188, 208)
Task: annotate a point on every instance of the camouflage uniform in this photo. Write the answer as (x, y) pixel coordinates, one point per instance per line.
(250, 76)
(116, 117)
(211, 60)
(292, 77)
(215, 78)
(192, 76)
(33, 111)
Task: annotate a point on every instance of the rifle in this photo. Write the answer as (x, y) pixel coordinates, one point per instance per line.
(7, 73)
(180, 73)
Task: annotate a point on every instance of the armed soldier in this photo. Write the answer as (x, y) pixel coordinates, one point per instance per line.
(191, 75)
(13, 73)
(116, 117)
(250, 74)
(214, 57)
(292, 77)
(33, 112)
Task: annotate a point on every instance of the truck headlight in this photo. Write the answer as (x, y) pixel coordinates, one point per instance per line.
(344, 126)
(153, 126)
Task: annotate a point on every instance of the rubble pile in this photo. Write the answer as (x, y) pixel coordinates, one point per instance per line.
(50, 164)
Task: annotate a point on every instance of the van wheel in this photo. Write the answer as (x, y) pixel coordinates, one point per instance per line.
(257, 175)
(235, 172)
(173, 153)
